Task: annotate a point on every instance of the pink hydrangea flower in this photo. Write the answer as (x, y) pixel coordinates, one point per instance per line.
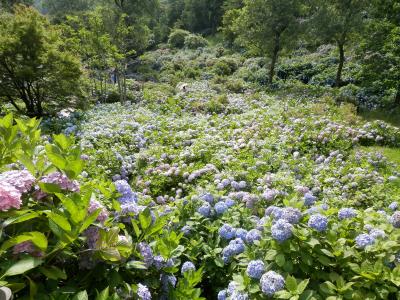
(10, 197)
(94, 205)
(21, 180)
(61, 180)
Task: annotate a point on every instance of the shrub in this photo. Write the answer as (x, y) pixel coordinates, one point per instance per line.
(194, 41)
(177, 38)
(225, 66)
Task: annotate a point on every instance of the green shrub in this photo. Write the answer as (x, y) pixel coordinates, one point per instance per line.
(236, 85)
(177, 38)
(194, 41)
(225, 66)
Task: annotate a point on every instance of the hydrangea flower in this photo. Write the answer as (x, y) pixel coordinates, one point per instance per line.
(158, 262)
(92, 235)
(61, 180)
(127, 195)
(208, 198)
(220, 207)
(93, 206)
(167, 281)
(291, 215)
(27, 247)
(377, 233)
(394, 205)
(271, 282)
(347, 213)
(274, 211)
(282, 230)
(146, 253)
(229, 202)
(204, 209)
(10, 197)
(241, 233)
(222, 295)
(20, 180)
(253, 235)
(395, 219)
(255, 269)
(143, 292)
(187, 266)
(234, 247)
(318, 222)
(309, 199)
(227, 232)
(363, 240)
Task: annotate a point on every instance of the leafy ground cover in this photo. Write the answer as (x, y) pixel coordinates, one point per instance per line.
(217, 190)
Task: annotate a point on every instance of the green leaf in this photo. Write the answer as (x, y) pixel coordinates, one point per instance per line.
(291, 284)
(56, 159)
(22, 218)
(52, 272)
(81, 296)
(145, 219)
(302, 286)
(37, 238)
(282, 295)
(61, 221)
(104, 294)
(50, 188)
(135, 264)
(23, 266)
(280, 259)
(62, 141)
(328, 288)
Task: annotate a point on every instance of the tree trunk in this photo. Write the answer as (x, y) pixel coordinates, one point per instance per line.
(338, 81)
(274, 58)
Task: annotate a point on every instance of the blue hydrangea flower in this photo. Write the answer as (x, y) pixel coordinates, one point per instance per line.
(395, 219)
(237, 295)
(222, 295)
(253, 235)
(363, 240)
(146, 253)
(271, 282)
(291, 215)
(309, 199)
(229, 202)
(274, 211)
(241, 233)
(318, 222)
(158, 262)
(255, 269)
(167, 281)
(377, 233)
(127, 195)
(208, 198)
(232, 287)
(234, 247)
(282, 230)
(204, 209)
(227, 232)
(394, 205)
(187, 266)
(220, 207)
(143, 292)
(347, 213)
(186, 229)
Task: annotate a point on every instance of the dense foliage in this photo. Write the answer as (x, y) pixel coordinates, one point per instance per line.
(174, 162)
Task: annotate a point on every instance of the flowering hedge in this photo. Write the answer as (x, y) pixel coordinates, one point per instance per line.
(269, 199)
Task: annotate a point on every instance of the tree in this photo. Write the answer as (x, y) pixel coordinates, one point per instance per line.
(9, 4)
(266, 26)
(381, 48)
(337, 21)
(34, 71)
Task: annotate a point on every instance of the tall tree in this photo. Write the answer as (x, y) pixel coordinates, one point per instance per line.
(381, 48)
(266, 26)
(34, 70)
(337, 21)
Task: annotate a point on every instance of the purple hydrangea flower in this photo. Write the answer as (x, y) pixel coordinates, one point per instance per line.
(347, 213)
(204, 209)
(363, 240)
(253, 235)
(222, 295)
(395, 219)
(271, 282)
(241, 233)
(187, 266)
(255, 269)
(318, 222)
(227, 232)
(146, 253)
(309, 199)
(127, 195)
(220, 207)
(394, 205)
(282, 230)
(143, 292)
